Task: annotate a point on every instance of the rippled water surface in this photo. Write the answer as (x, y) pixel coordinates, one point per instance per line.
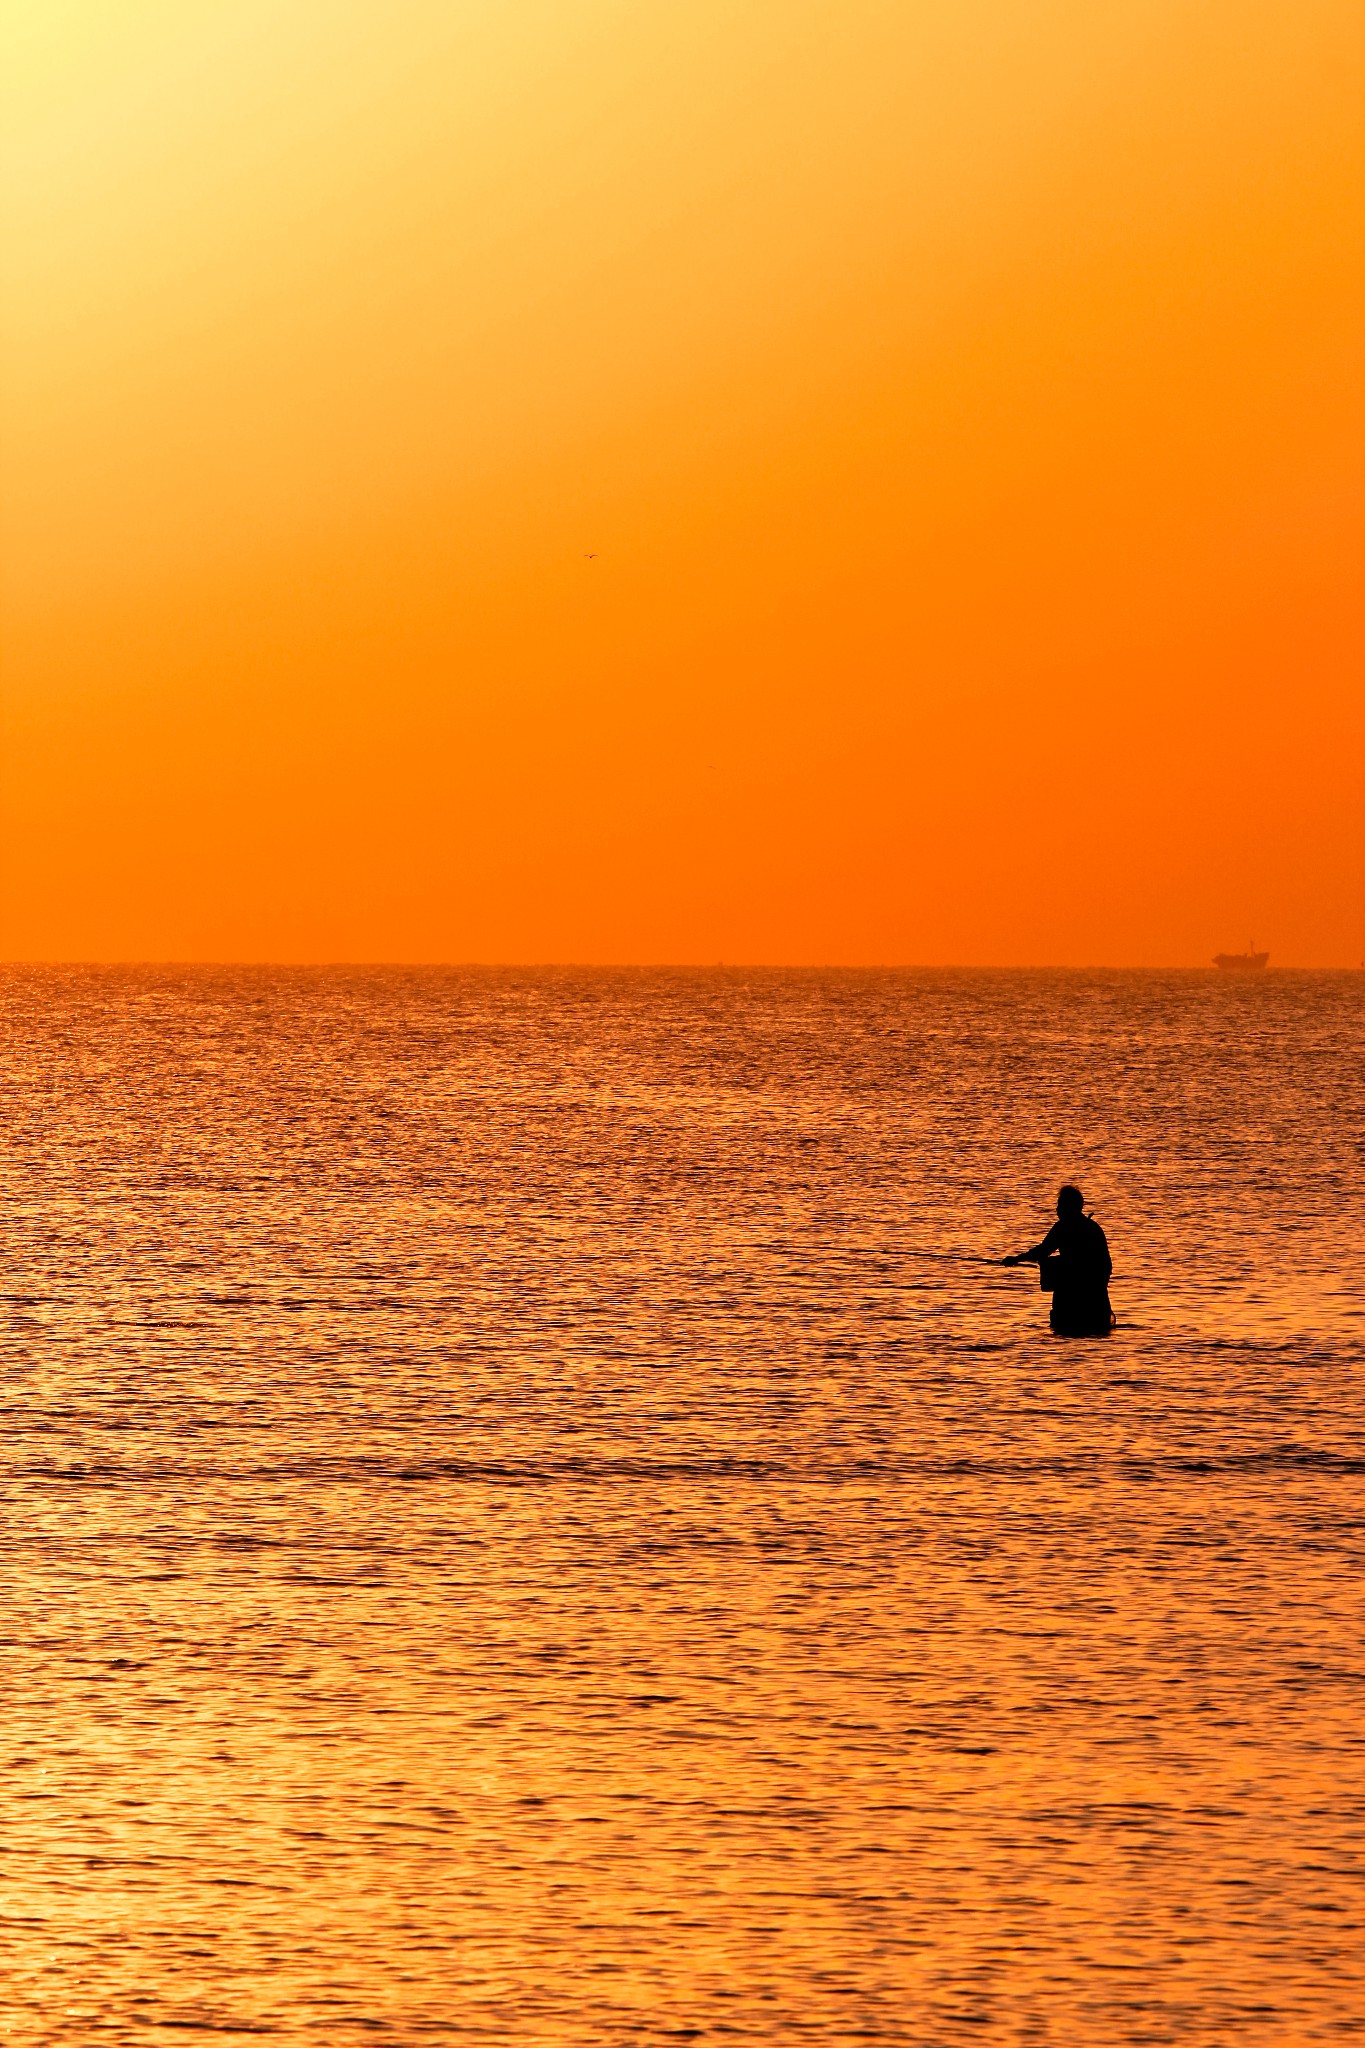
(514, 1532)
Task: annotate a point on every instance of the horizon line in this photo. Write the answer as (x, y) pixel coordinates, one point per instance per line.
(337, 963)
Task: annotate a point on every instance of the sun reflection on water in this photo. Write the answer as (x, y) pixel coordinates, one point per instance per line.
(506, 1540)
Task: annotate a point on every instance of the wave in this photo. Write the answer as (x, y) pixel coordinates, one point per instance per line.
(370, 1468)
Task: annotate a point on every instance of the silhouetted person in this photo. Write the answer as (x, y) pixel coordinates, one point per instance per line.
(1074, 1262)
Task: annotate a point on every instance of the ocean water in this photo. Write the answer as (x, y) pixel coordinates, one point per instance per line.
(515, 1531)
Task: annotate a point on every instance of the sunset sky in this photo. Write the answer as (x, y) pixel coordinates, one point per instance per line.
(749, 480)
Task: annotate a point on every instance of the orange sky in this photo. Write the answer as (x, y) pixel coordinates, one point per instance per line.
(961, 400)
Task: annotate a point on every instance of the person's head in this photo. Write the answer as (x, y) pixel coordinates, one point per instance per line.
(1070, 1201)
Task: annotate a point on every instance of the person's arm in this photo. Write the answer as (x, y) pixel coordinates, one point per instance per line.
(1038, 1253)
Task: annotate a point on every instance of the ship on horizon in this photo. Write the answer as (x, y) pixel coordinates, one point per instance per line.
(1249, 962)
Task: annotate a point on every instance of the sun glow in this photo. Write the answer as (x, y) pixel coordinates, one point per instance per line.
(748, 481)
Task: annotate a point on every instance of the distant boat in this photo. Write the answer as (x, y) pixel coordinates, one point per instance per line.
(1250, 962)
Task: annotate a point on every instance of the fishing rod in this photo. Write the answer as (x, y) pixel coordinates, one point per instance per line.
(955, 1258)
